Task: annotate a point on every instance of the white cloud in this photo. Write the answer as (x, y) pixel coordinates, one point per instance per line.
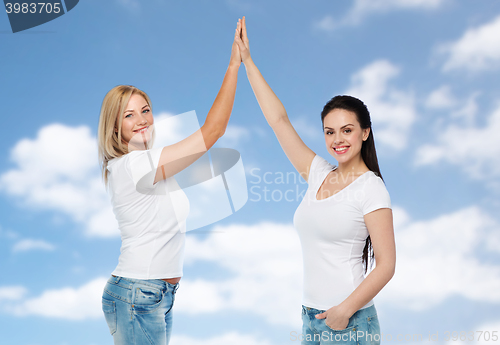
(454, 145)
(479, 335)
(230, 338)
(172, 128)
(477, 50)
(266, 266)
(364, 8)
(65, 303)
(441, 98)
(467, 110)
(392, 111)
(32, 244)
(326, 23)
(306, 126)
(59, 171)
(233, 136)
(12, 293)
(437, 259)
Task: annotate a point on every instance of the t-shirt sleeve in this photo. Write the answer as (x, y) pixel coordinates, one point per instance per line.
(319, 167)
(143, 165)
(375, 195)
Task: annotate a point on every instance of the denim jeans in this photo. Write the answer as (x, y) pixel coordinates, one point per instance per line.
(139, 311)
(363, 329)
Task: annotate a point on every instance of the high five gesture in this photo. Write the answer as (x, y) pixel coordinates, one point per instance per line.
(297, 152)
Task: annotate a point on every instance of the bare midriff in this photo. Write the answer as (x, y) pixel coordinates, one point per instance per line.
(169, 280)
(172, 280)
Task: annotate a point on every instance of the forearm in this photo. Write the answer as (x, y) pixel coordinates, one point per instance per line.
(270, 104)
(218, 117)
(368, 289)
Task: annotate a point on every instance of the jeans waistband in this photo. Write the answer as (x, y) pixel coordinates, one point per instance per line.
(365, 312)
(128, 283)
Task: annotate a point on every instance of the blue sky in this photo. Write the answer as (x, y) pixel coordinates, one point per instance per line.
(428, 71)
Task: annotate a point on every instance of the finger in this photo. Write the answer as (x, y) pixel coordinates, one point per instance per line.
(239, 43)
(244, 30)
(237, 34)
(239, 26)
(321, 316)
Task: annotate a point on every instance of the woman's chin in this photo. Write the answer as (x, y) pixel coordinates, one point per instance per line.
(139, 144)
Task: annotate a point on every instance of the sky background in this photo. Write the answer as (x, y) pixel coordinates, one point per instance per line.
(428, 70)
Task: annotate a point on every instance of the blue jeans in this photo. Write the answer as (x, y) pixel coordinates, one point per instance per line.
(139, 311)
(363, 329)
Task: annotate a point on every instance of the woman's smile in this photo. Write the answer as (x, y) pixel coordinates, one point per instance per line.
(340, 149)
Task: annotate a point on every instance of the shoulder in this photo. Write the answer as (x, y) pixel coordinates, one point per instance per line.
(373, 182)
(374, 193)
(114, 162)
(319, 166)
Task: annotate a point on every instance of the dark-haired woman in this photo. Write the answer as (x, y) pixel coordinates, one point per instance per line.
(343, 221)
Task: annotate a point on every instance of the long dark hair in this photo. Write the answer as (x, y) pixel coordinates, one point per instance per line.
(368, 152)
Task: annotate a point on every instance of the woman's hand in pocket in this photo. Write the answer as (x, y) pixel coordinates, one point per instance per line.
(335, 318)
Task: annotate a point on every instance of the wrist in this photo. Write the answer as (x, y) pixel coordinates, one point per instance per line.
(234, 65)
(248, 61)
(345, 310)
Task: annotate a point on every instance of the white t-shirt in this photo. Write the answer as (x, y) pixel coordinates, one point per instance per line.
(332, 233)
(151, 217)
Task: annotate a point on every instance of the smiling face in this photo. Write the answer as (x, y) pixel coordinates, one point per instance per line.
(137, 123)
(343, 135)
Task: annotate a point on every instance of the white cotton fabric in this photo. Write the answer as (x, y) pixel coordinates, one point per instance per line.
(332, 233)
(151, 218)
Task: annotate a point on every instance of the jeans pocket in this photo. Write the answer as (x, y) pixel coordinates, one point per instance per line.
(147, 298)
(109, 309)
(345, 330)
(346, 336)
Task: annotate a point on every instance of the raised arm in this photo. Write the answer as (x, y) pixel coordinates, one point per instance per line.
(299, 154)
(175, 158)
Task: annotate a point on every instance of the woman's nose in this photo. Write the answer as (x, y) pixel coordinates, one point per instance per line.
(142, 119)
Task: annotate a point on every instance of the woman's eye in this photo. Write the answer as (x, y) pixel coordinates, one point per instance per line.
(328, 132)
(128, 115)
(347, 131)
(146, 111)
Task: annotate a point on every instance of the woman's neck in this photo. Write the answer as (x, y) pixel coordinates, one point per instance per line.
(354, 166)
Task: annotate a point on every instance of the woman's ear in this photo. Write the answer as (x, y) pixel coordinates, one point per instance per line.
(366, 133)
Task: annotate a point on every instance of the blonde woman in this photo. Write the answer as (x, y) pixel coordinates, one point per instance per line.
(345, 211)
(150, 207)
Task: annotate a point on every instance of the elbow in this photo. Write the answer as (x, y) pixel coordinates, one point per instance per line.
(220, 133)
(281, 118)
(211, 134)
(216, 134)
(387, 269)
(391, 270)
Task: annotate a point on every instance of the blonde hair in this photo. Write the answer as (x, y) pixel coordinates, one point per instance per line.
(110, 143)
